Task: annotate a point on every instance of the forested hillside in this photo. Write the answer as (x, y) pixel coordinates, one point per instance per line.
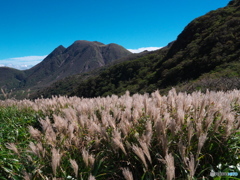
(207, 49)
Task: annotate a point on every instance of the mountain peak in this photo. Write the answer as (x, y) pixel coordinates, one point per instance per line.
(81, 56)
(85, 42)
(56, 51)
(98, 43)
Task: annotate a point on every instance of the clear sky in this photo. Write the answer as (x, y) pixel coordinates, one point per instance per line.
(31, 29)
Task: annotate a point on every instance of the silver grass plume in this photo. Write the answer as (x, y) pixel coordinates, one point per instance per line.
(127, 174)
(117, 141)
(139, 152)
(74, 166)
(169, 159)
(12, 147)
(91, 177)
(56, 158)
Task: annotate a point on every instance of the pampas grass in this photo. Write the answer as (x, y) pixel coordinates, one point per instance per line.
(178, 136)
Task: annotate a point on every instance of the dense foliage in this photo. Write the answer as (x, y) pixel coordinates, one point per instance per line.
(178, 136)
(134, 76)
(14, 122)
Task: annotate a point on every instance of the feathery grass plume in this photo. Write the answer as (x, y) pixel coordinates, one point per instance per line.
(145, 149)
(127, 174)
(172, 94)
(180, 115)
(117, 140)
(87, 158)
(201, 140)
(94, 128)
(103, 119)
(91, 177)
(170, 170)
(182, 150)
(60, 123)
(12, 147)
(147, 137)
(41, 150)
(104, 134)
(35, 133)
(111, 121)
(191, 166)
(145, 103)
(91, 160)
(202, 110)
(56, 158)
(218, 123)
(70, 114)
(164, 142)
(51, 137)
(115, 112)
(161, 126)
(6, 94)
(199, 128)
(190, 132)
(70, 131)
(125, 126)
(173, 126)
(34, 149)
(158, 98)
(153, 111)
(135, 115)
(74, 166)
(29, 158)
(229, 127)
(45, 123)
(139, 152)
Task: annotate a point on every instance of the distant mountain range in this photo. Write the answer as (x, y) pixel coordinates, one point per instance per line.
(81, 56)
(19, 67)
(204, 56)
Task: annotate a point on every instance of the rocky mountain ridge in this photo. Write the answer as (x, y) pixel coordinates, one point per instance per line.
(81, 56)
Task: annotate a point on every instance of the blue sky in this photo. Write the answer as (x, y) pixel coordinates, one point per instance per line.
(31, 29)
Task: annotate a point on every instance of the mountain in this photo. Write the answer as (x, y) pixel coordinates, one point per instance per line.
(205, 55)
(207, 42)
(82, 56)
(68, 84)
(10, 77)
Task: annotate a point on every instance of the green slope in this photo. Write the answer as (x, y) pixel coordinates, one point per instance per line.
(68, 85)
(11, 78)
(206, 47)
(204, 56)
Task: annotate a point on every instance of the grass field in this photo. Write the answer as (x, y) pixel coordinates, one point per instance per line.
(178, 136)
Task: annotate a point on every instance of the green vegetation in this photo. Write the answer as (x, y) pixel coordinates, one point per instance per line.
(178, 136)
(14, 124)
(80, 57)
(134, 76)
(10, 78)
(206, 52)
